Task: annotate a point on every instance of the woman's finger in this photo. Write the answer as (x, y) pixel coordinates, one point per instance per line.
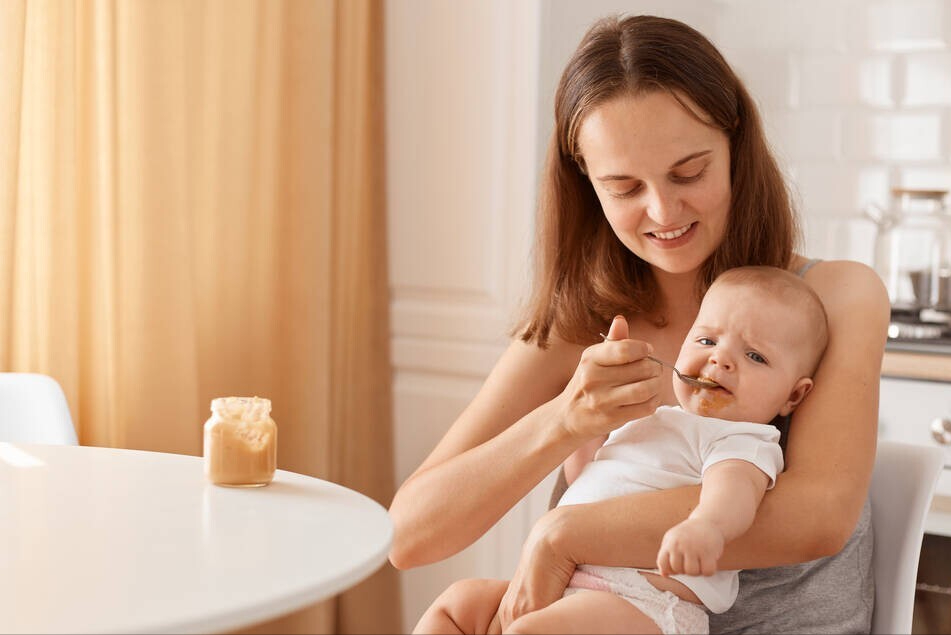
(618, 352)
(619, 329)
(635, 393)
(608, 377)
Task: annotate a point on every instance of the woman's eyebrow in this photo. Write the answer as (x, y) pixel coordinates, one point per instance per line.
(679, 162)
(691, 157)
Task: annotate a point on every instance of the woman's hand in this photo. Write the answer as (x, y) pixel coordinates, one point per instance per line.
(613, 383)
(543, 570)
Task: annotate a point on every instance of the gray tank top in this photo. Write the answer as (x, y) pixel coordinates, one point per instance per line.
(828, 595)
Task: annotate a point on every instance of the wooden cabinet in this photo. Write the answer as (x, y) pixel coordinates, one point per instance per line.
(933, 597)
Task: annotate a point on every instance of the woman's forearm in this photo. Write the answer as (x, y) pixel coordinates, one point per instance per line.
(784, 531)
(442, 509)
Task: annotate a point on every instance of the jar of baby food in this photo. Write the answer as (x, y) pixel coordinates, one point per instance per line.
(240, 444)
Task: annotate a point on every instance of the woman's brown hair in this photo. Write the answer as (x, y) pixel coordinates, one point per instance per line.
(583, 274)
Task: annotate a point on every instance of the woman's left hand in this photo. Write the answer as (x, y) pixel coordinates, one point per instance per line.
(543, 570)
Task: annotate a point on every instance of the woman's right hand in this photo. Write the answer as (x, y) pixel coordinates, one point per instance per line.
(613, 383)
(543, 570)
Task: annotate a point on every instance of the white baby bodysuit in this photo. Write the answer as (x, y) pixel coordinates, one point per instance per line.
(673, 448)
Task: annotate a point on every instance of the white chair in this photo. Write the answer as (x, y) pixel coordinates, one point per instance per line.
(33, 409)
(903, 483)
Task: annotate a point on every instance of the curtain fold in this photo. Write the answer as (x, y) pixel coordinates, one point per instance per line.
(192, 206)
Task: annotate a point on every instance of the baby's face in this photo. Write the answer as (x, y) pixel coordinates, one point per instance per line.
(750, 343)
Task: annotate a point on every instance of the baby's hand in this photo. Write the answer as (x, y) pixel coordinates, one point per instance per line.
(691, 547)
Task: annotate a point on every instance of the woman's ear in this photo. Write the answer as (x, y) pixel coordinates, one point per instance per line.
(798, 393)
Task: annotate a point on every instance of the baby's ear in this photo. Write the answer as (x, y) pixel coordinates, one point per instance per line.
(798, 393)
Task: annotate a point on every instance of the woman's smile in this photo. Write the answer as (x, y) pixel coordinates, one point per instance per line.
(673, 238)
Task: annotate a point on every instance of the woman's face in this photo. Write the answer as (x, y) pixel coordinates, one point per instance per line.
(662, 176)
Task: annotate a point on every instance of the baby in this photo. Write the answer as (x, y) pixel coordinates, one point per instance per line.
(759, 335)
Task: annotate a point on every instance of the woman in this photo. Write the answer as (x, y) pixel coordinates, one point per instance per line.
(658, 178)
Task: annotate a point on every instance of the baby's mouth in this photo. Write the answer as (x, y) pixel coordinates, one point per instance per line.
(718, 388)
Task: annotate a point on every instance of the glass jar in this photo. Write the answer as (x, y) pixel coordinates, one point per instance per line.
(240, 442)
(913, 249)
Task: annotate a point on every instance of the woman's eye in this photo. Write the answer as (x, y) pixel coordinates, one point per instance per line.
(705, 341)
(628, 193)
(689, 178)
(756, 357)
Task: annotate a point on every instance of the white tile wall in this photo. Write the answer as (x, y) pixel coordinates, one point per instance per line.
(856, 96)
(907, 25)
(927, 79)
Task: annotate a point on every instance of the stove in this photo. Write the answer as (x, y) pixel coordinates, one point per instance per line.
(920, 330)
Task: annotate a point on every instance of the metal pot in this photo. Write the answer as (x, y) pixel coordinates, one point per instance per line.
(927, 293)
(913, 249)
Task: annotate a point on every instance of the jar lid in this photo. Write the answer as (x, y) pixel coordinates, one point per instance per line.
(250, 409)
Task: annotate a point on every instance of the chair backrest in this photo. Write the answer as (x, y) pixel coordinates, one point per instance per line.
(33, 409)
(903, 483)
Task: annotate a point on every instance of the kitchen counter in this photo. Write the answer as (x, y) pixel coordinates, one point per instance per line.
(915, 365)
(939, 518)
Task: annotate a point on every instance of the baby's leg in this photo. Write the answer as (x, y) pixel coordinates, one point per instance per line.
(467, 606)
(586, 612)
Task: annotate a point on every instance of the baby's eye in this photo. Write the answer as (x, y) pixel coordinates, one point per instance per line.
(705, 341)
(756, 357)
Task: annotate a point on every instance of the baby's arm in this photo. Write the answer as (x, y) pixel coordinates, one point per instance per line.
(729, 496)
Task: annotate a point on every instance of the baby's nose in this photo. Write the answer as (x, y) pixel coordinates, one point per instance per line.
(722, 360)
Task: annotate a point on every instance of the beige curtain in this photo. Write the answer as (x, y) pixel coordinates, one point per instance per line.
(191, 206)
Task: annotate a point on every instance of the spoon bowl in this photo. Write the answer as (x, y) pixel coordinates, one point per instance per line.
(690, 380)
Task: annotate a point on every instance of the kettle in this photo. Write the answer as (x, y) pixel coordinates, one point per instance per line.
(913, 250)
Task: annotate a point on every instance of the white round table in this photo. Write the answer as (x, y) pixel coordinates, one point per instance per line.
(99, 540)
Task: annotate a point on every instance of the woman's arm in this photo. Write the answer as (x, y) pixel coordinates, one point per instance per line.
(536, 407)
(829, 459)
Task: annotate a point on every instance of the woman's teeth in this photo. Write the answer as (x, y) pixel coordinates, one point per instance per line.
(674, 234)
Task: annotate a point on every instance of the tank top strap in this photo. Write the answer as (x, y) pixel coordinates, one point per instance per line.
(809, 265)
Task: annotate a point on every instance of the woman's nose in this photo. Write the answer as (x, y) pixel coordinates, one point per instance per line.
(662, 206)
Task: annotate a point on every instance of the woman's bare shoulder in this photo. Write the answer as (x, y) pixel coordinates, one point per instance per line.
(850, 290)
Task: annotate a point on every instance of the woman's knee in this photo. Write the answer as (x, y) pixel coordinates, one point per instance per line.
(466, 606)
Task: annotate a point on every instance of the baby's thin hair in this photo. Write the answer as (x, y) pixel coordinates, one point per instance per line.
(789, 287)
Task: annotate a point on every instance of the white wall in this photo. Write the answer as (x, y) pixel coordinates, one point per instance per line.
(856, 97)
(461, 109)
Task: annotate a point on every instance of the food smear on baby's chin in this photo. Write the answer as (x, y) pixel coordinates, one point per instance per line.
(713, 401)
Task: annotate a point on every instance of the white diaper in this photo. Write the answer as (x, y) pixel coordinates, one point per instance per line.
(671, 613)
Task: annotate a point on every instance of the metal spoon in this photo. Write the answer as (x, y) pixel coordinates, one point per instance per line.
(690, 380)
